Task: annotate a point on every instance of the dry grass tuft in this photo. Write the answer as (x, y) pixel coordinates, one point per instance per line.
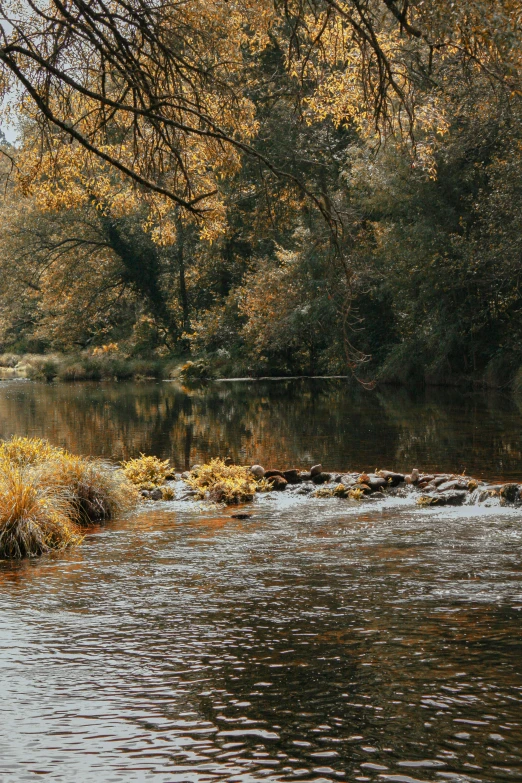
(47, 494)
(95, 491)
(147, 472)
(223, 483)
(22, 452)
(32, 520)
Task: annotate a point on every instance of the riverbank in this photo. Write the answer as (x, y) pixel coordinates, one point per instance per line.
(105, 364)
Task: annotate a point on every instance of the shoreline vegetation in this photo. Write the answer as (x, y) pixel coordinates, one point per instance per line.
(108, 365)
(49, 497)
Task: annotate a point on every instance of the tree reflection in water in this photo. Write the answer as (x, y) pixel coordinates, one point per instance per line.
(276, 423)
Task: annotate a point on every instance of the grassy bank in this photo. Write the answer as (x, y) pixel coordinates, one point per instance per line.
(48, 497)
(84, 367)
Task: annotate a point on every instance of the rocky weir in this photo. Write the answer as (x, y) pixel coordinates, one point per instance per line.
(426, 489)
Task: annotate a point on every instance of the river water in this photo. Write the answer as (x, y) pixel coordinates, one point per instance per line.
(320, 639)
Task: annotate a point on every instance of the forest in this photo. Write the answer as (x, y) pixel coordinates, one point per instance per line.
(265, 187)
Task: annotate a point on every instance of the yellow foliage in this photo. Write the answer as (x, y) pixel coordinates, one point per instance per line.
(147, 472)
(32, 519)
(21, 452)
(426, 500)
(356, 494)
(46, 494)
(223, 483)
(105, 349)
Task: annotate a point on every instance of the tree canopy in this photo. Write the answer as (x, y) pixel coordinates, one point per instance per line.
(257, 173)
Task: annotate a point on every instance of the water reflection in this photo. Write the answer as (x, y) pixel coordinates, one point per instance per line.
(284, 423)
(311, 642)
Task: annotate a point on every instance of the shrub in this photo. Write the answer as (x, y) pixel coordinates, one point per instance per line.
(32, 520)
(223, 483)
(41, 368)
(147, 472)
(9, 359)
(195, 371)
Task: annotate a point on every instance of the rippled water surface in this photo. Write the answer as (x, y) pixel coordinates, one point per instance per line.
(318, 640)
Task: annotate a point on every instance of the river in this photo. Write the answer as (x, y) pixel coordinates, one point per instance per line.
(320, 640)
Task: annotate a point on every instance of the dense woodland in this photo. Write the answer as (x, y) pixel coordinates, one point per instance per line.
(272, 188)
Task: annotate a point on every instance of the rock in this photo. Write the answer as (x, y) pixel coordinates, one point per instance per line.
(241, 515)
(315, 470)
(454, 484)
(144, 493)
(189, 494)
(156, 494)
(451, 497)
(278, 482)
(376, 482)
(363, 487)
(292, 476)
(378, 495)
(270, 473)
(195, 468)
(305, 475)
(321, 478)
(414, 475)
(258, 471)
(337, 477)
(303, 489)
(440, 479)
(186, 475)
(509, 493)
(348, 480)
(391, 477)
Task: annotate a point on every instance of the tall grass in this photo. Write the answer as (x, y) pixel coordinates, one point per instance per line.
(95, 491)
(47, 495)
(32, 520)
